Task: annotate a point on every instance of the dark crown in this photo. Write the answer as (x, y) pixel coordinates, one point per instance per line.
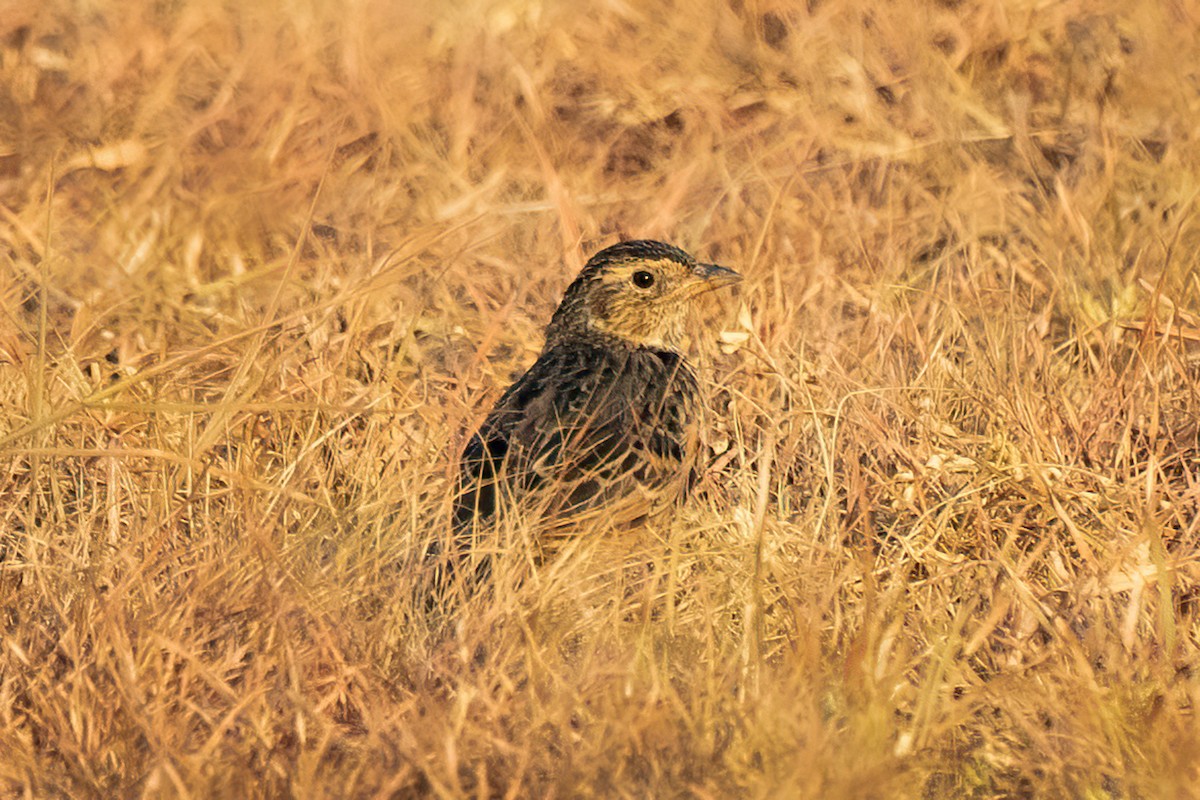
(646, 249)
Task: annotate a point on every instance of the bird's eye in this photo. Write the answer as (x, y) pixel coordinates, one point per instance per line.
(643, 279)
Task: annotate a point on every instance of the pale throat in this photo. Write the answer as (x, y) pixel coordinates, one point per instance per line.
(667, 334)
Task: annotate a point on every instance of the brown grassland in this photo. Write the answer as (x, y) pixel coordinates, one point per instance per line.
(264, 265)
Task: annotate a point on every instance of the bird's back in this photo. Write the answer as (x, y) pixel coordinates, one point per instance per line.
(587, 427)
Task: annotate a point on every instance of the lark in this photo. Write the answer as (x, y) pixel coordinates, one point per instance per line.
(605, 422)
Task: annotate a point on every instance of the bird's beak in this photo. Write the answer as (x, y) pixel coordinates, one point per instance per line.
(715, 276)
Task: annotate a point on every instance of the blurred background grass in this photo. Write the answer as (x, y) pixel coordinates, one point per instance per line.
(263, 265)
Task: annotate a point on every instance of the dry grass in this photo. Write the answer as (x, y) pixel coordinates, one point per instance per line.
(264, 265)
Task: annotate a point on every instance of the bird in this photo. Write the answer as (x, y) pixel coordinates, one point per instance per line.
(605, 422)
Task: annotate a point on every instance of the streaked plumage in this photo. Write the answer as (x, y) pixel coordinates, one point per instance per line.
(604, 422)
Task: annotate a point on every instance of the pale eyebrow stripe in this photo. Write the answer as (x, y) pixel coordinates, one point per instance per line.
(638, 263)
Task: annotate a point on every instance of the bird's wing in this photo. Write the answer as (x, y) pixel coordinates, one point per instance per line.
(588, 424)
(495, 459)
(618, 427)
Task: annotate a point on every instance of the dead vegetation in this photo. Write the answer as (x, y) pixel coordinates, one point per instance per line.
(264, 265)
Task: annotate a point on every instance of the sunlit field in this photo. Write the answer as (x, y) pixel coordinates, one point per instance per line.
(264, 266)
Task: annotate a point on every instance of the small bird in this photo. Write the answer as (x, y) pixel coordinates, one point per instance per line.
(604, 422)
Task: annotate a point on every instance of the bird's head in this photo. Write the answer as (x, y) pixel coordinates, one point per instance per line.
(638, 292)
